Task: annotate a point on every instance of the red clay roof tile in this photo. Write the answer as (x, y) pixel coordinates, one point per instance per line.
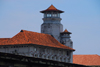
(3, 39)
(51, 8)
(65, 30)
(87, 59)
(29, 37)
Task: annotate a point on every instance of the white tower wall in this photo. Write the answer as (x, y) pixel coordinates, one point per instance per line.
(53, 29)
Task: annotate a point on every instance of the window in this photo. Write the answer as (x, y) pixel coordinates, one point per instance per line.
(54, 15)
(43, 50)
(68, 53)
(35, 55)
(71, 42)
(64, 53)
(56, 58)
(53, 58)
(65, 59)
(40, 55)
(48, 57)
(45, 27)
(48, 15)
(16, 46)
(60, 59)
(5, 47)
(34, 48)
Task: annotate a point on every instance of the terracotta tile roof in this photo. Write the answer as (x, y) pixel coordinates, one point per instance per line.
(3, 39)
(29, 37)
(52, 8)
(66, 32)
(87, 59)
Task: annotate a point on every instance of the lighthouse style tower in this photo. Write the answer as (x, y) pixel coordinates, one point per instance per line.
(51, 22)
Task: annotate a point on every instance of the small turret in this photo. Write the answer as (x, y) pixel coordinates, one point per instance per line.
(65, 38)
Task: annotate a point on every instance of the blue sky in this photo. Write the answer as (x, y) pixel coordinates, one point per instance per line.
(81, 17)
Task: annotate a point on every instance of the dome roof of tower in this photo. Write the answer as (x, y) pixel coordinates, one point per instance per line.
(51, 8)
(66, 32)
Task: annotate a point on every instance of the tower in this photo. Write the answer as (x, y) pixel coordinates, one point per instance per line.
(51, 22)
(65, 38)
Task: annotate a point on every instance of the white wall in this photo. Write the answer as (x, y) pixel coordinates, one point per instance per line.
(52, 29)
(38, 51)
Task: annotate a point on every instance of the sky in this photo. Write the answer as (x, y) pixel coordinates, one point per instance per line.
(80, 17)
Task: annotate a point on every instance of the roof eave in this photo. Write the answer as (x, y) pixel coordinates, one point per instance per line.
(65, 33)
(51, 10)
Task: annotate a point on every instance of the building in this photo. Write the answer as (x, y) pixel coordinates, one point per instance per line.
(52, 43)
(88, 60)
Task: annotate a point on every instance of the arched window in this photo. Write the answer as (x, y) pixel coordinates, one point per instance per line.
(48, 57)
(56, 58)
(34, 49)
(64, 59)
(60, 59)
(53, 58)
(40, 55)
